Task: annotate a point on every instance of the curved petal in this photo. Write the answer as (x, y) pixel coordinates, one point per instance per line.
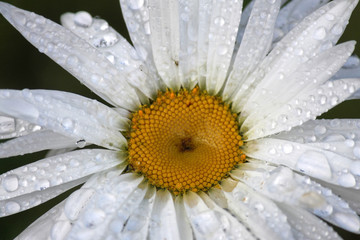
(308, 38)
(163, 218)
(341, 136)
(78, 57)
(136, 15)
(224, 23)
(284, 186)
(33, 199)
(56, 170)
(255, 43)
(165, 40)
(306, 106)
(292, 13)
(256, 212)
(276, 94)
(35, 142)
(53, 223)
(209, 221)
(307, 226)
(105, 211)
(116, 48)
(66, 113)
(312, 161)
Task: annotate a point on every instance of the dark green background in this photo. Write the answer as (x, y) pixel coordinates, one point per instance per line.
(22, 66)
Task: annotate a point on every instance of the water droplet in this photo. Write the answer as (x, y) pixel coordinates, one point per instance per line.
(222, 49)
(315, 164)
(287, 148)
(12, 207)
(106, 40)
(42, 184)
(72, 60)
(355, 168)
(81, 143)
(68, 124)
(347, 180)
(135, 4)
(93, 217)
(83, 19)
(19, 17)
(334, 100)
(349, 142)
(330, 16)
(219, 21)
(320, 33)
(323, 100)
(320, 129)
(10, 183)
(337, 29)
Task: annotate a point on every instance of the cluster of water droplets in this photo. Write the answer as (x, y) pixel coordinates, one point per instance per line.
(32, 184)
(12, 127)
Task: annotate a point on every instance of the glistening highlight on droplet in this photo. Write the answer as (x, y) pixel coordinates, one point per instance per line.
(185, 141)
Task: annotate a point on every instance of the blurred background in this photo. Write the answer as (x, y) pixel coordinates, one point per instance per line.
(23, 66)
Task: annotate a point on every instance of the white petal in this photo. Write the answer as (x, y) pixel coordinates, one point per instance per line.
(28, 199)
(136, 15)
(137, 225)
(255, 43)
(308, 105)
(54, 171)
(182, 219)
(311, 36)
(52, 224)
(165, 40)
(276, 94)
(163, 222)
(210, 221)
(307, 226)
(116, 48)
(258, 213)
(189, 37)
(66, 113)
(105, 208)
(351, 196)
(224, 23)
(35, 142)
(341, 136)
(78, 57)
(13, 127)
(312, 161)
(283, 185)
(293, 12)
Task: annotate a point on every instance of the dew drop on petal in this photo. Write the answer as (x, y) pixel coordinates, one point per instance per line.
(42, 184)
(356, 152)
(83, 19)
(219, 21)
(320, 129)
(287, 148)
(135, 4)
(19, 17)
(68, 124)
(10, 183)
(355, 168)
(94, 217)
(81, 143)
(320, 33)
(12, 207)
(315, 164)
(347, 180)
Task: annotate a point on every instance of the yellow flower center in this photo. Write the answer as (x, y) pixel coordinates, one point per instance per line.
(185, 141)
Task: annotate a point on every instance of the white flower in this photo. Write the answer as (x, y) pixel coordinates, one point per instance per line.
(277, 69)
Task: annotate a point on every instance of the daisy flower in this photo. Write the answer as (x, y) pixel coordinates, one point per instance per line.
(208, 128)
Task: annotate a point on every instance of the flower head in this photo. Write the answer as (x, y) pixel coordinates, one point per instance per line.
(209, 130)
